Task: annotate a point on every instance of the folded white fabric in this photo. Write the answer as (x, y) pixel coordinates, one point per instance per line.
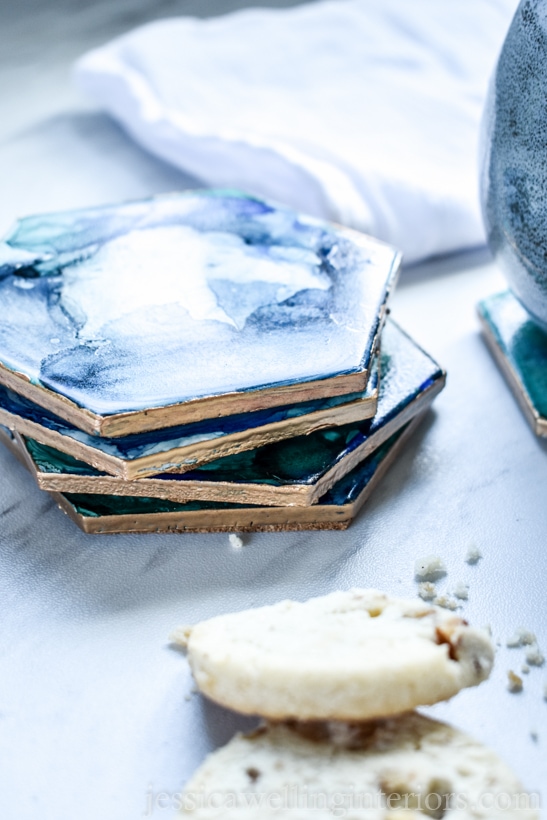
(363, 112)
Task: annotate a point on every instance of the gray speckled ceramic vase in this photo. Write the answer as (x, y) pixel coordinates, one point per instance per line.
(514, 158)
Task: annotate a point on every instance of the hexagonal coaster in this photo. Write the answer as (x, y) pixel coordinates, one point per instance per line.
(295, 472)
(519, 346)
(185, 447)
(335, 511)
(186, 307)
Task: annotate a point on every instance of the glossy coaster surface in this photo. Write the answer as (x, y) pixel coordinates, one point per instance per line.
(293, 472)
(519, 346)
(167, 311)
(336, 510)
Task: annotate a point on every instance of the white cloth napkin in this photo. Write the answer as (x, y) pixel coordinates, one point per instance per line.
(359, 111)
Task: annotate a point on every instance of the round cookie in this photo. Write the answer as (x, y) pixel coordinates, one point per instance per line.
(346, 656)
(402, 768)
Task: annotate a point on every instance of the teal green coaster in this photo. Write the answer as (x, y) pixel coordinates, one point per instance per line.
(519, 347)
(335, 510)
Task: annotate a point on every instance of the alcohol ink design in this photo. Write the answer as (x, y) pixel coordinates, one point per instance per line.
(179, 298)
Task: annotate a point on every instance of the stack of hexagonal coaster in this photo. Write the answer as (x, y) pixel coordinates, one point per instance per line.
(204, 361)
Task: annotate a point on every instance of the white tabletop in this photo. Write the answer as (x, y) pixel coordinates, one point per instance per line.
(96, 712)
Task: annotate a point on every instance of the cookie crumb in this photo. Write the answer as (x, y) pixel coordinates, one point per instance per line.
(427, 590)
(474, 555)
(461, 591)
(514, 682)
(429, 568)
(446, 602)
(525, 669)
(180, 636)
(521, 637)
(535, 657)
(236, 541)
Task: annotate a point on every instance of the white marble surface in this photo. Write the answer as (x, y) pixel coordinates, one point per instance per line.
(95, 709)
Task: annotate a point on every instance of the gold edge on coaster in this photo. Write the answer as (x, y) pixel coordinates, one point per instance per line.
(217, 491)
(199, 452)
(51, 438)
(257, 519)
(298, 495)
(346, 465)
(200, 409)
(231, 404)
(251, 439)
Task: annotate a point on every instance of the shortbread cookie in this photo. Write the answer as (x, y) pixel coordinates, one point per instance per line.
(403, 768)
(346, 656)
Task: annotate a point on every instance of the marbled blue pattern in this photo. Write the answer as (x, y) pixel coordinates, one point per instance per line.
(407, 371)
(184, 296)
(514, 165)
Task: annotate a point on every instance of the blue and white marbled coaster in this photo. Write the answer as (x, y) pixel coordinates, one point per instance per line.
(519, 346)
(204, 303)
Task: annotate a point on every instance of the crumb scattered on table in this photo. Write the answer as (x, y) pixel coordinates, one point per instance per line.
(525, 669)
(461, 591)
(474, 555)
(521, 637)
(535, 656)
(427, 590)
(446, 602)
(429, 568)
(180, 635)
(514, 683)
(236, 541)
